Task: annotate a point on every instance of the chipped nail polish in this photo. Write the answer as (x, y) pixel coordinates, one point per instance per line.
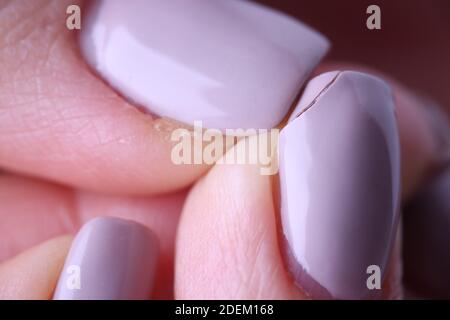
(339, 160)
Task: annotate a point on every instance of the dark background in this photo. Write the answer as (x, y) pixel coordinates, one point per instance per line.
(413, 45)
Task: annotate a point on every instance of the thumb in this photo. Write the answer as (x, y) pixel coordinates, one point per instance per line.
(32, 275)
(227, 244)
(339, 179)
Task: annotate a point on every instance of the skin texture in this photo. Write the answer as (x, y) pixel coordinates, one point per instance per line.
(71, 149)
(82, 125)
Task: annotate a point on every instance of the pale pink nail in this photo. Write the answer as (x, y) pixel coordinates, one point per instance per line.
(228, 63)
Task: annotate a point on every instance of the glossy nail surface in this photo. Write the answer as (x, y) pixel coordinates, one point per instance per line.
(340, 184)
(110, 258)
(426, 235)
(228, 63)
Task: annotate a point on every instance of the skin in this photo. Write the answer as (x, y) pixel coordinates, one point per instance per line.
(72, 149)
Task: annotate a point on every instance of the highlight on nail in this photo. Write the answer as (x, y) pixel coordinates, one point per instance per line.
(339, 161)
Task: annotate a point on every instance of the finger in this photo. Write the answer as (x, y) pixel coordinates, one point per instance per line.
(67, 121)
(160, 214)
(33, 274)
(110, 259)
(228, 246)
(34, 211)
(59, 121)
(426, 234)
(31, 212)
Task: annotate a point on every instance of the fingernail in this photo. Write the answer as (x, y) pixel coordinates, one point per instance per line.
(426, 235)
(110, 259)
(340, 186)
(230, 64)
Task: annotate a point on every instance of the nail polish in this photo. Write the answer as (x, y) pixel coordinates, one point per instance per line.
(426, 234)
(339, 176)
(231, 64)
(110, 259)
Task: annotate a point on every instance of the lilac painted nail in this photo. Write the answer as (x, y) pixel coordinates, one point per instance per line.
(228, 63)
(110, 259)
(340, 185)
(426, 235)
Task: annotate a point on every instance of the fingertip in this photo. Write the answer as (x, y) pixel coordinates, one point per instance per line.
(33, 274)
(227, 245)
